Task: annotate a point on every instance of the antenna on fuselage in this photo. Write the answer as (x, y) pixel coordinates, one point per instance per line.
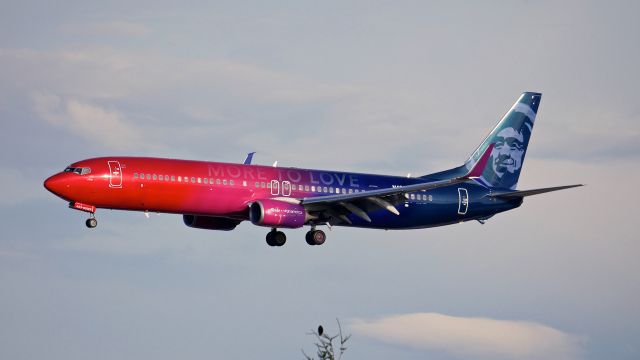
(275, 164)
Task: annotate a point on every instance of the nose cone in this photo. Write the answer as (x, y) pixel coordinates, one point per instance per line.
(56, 184)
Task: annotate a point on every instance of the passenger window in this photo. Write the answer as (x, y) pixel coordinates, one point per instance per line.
(350, 191)
(173, 178)
(257, 184)
(313, 188)
(193, 180)
(306, 188)
(262, 185)
(324, 189)
(231, 182)
(224, 181)
(206, 181)
(331, 190)
(135, 175)
(244, 183)
(199, 180)
(179, 178)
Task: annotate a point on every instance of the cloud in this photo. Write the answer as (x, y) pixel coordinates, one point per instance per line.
(91, 122)
(471, 337)
(111, 28)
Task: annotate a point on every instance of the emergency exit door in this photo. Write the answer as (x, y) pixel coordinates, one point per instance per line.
(463, 201)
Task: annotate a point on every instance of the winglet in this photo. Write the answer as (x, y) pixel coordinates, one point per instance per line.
(247, 160)
(478, 168)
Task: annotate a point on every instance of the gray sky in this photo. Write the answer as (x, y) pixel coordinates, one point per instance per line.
(385, 87)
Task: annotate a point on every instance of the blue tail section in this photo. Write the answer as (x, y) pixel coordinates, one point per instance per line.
(511, 138)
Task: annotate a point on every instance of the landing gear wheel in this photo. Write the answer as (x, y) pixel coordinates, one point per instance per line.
(309, 238)
(319, 237)
(91, 223)
(279, 238)
(270, 239)
(315, 237)
(276, 238)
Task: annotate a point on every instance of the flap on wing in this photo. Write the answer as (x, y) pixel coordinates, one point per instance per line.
(523, 193)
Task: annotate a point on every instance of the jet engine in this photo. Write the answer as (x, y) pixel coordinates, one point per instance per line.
(210, 222)
(274, 213)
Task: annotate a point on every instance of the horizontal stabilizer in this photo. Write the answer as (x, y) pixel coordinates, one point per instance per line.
(523, 193)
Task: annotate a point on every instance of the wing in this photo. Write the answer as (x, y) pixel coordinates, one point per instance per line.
(335, 208)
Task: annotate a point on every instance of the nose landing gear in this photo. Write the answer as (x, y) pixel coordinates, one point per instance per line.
(91, 222)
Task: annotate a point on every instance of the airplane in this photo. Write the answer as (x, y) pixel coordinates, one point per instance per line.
(219, 196)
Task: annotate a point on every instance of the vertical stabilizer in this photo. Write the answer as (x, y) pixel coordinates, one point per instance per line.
(510, 138)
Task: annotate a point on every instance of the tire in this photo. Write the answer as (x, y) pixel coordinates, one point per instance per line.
(279, 238)
(91, 223)
(319, 237)
(270, 239)
(309, 238)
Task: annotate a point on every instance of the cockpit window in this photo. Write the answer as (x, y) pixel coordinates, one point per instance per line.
(79, 171)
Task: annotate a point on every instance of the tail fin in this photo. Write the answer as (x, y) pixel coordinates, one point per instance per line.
(511, 137)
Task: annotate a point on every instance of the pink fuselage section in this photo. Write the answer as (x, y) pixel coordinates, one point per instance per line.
(194, 187)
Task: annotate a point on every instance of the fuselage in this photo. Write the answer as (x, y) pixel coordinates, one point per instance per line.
(226, 190)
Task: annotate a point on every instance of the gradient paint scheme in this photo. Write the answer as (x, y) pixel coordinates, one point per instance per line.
(466, 200)
(232, 200)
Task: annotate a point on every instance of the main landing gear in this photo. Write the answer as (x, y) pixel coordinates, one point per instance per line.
(91, 221)
(315, 237)
(278, 238)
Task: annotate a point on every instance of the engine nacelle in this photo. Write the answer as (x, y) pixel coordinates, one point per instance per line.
(210, 222)
(274, 213)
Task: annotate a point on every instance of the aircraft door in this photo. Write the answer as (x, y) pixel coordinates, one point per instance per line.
(275, 187)
(286, 188)
(463, 201)
(115, 178)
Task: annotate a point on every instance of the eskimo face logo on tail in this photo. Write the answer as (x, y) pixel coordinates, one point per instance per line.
(508, 152)
(510, 147)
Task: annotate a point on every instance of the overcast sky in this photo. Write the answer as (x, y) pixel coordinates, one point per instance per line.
(387, 87)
